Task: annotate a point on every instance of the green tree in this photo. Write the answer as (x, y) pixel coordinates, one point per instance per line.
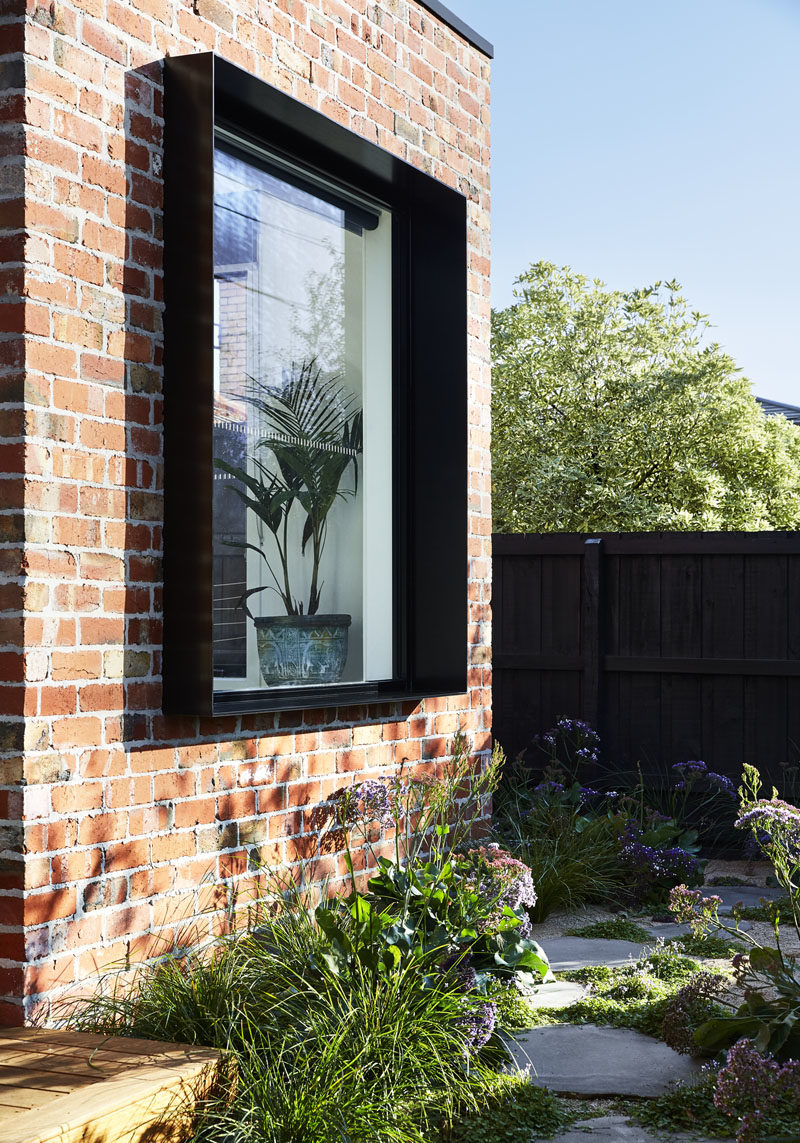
(613, 411)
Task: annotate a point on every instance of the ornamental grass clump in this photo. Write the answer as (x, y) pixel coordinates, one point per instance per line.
(311, 1054)
(585, 841)
(558, 826)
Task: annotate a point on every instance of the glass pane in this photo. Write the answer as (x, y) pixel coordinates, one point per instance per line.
(302, 429)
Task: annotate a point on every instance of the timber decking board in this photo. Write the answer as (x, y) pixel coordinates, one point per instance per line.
(71, 1087)
(79, 1040)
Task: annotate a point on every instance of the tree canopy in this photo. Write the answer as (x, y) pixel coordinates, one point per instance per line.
(614, 411)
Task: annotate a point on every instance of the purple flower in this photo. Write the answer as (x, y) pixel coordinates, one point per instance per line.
(548, 788)
(722, 782)
(370, 800)
(654, 868)
(686, 769)
(774, 825)
(752, 1088)
(575, 725)
(464, 972)
(770, 815)
(479, 1025)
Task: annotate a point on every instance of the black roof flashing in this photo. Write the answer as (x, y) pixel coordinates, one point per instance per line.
(459, 26)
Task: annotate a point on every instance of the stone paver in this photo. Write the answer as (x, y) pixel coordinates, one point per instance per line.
(741, 894)
(587, 1060)
(584, 1059)
(616, 1129)
(558, 994)
(568, 953)
(665, 930)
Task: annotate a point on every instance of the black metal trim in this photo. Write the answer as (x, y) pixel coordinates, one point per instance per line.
(188, 384)
(429, 284)
(458, 25)
(231, 703)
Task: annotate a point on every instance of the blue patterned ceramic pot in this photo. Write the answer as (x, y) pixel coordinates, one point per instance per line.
(301, 650)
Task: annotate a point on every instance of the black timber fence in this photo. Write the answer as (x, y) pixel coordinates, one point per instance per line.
(674, 645)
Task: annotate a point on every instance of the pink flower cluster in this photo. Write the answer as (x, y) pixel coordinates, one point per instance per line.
(500, 880)
(689, 906)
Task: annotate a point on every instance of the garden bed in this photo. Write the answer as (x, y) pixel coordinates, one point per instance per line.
(384, 1014)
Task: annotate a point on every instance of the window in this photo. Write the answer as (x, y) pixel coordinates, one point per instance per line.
(315, 408)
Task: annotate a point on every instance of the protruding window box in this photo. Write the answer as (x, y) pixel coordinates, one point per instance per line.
(315, 408)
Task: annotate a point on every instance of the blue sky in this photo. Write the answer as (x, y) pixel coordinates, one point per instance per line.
(643, 139)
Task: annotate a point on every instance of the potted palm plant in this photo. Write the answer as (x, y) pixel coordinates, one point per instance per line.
(313, 429)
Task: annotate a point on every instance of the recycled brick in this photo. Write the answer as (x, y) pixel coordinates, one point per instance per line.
(137, 806)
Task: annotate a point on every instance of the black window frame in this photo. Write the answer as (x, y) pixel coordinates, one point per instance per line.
(429, 389)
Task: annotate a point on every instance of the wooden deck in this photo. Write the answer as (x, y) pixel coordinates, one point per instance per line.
(72, 1087)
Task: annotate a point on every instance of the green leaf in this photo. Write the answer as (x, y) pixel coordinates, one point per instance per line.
(360, 909)
(722, 1031)
(765, 960)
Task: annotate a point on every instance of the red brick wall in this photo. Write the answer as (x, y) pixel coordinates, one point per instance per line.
(133, 821)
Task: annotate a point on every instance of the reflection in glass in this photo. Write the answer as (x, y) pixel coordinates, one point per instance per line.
(302, 429)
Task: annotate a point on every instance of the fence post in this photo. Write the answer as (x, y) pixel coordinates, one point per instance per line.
(592, 631)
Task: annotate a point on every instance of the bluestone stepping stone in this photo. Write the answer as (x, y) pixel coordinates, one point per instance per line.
(583, 1059)
(665, 930)
(741, 894)
(616, 1129)
(568, 953)
(558, 994)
